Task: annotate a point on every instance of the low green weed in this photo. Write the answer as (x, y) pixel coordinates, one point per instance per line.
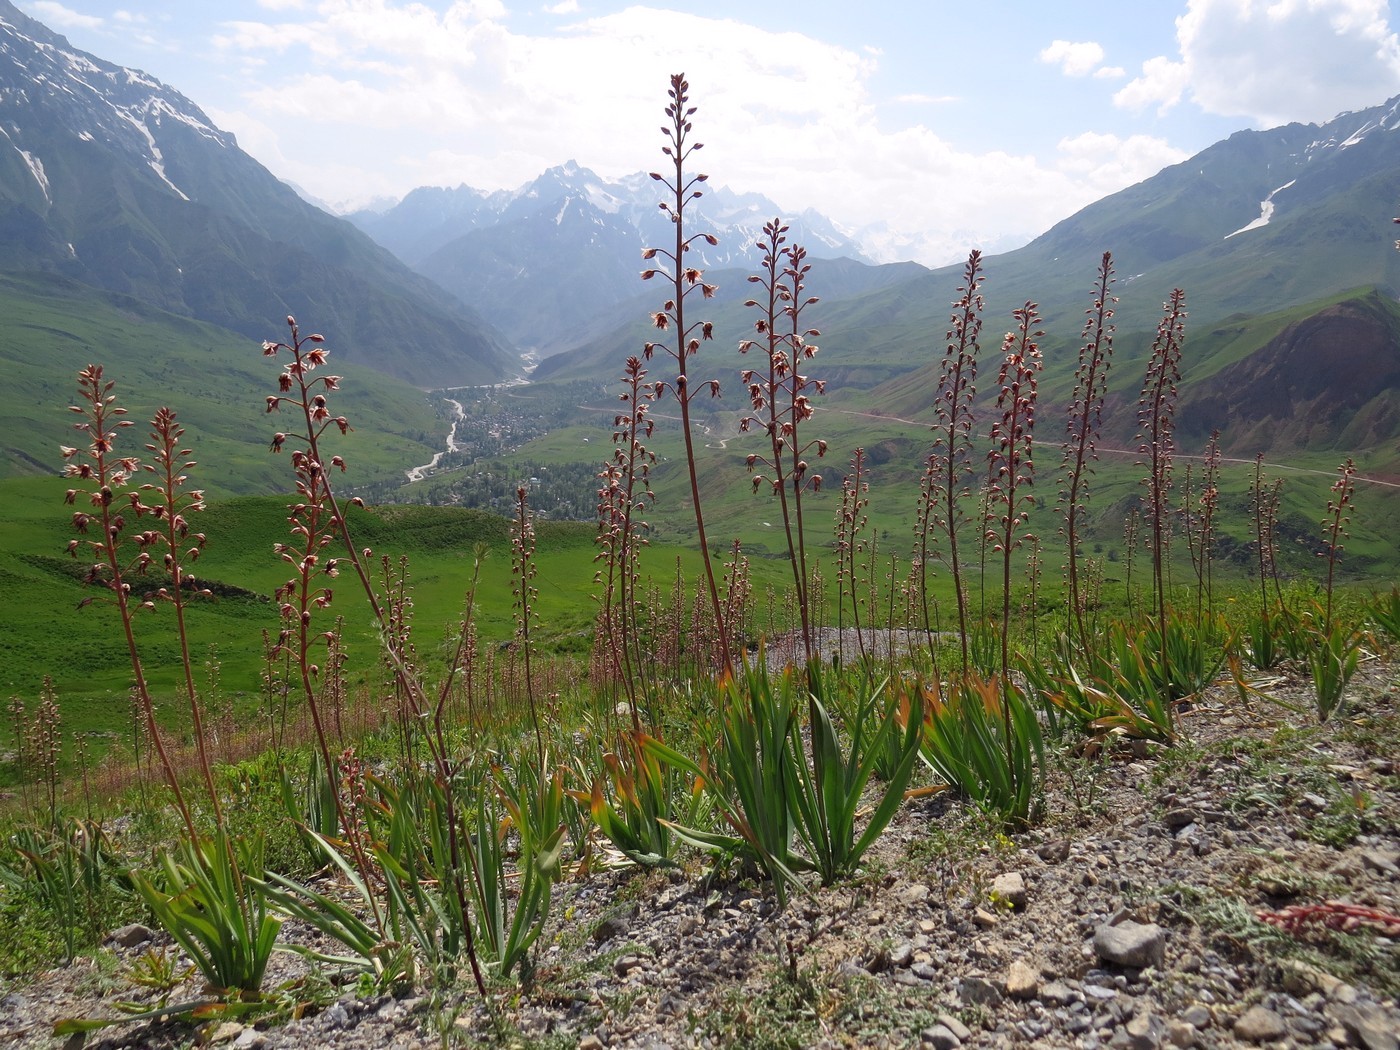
(214, 912)
(984, 740)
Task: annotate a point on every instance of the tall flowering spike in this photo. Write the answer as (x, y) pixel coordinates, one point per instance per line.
(1339, 508)
(778, 395)
(684, 280)
(1082, 429)
(118, 556)
(1157, 425)
(624, 494)
(1012, 467)
(949, 466)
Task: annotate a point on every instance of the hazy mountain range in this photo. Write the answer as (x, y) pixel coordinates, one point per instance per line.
(110, 177)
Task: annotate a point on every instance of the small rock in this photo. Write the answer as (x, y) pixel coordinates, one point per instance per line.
(590, 1042)
(1197, 1016)
(614, 925)
(901, 955)
(984, 918)
(878, 961)
(1176, 819)
(1145, 1031)
(1259, 1024)
(225, 1032)
(915, 893)
(1010, 888)
(1131, 944)
(1370, 1026)
(1181, 1034)
(131, 935)
(1055, 852)
(1022, 982)
(1341, 992)
(1056, 993)
(940, 1038)
(250, 1039)
(955, 1026)
(1383, 861)
(336, 1016)
(978, 991)
(626, 964)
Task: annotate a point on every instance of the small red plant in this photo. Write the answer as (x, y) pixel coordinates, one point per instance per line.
(1333, 915)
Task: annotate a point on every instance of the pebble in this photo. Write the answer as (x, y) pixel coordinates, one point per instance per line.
(978, 991)
(131, 935)
(1144, 1031)
(1259, 1024)
(940, 1038)
(1197, 1016)
(1022, 982)
(1182, 1034)
(1370, 1026)
(955, 1026)
(1010, 888)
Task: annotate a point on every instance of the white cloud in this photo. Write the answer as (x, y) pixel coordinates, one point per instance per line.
(55, 14)
(366, 98)
(566, 7)
(1274, 62)
(1110, 73)
(1107, 163)
(917, 99)
(1074, 60)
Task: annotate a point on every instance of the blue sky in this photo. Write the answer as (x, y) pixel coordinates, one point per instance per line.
(925, 127)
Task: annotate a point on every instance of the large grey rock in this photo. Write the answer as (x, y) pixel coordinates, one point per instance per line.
(1131, 944)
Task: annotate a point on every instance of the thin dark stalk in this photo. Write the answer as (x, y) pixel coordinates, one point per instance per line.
(1011, 463)
(105, 474)
(1335, 526)
(686, 280)
(778, 394)
(170, 462)
(953, 407)
(1157, 416)
(1085, 420)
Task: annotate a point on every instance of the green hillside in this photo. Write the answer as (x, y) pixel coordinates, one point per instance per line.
(217, 381)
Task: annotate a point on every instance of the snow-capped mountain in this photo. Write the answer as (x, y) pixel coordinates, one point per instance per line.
(573, 239)
(114, 179)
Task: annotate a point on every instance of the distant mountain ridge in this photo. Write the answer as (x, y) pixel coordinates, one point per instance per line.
(112, 178)
(1263, 230)
(550, 257)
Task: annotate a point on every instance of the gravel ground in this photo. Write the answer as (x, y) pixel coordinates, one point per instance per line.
(1126, 918)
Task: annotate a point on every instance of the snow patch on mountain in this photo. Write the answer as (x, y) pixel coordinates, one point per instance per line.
(1266, 211)
(36, 167)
